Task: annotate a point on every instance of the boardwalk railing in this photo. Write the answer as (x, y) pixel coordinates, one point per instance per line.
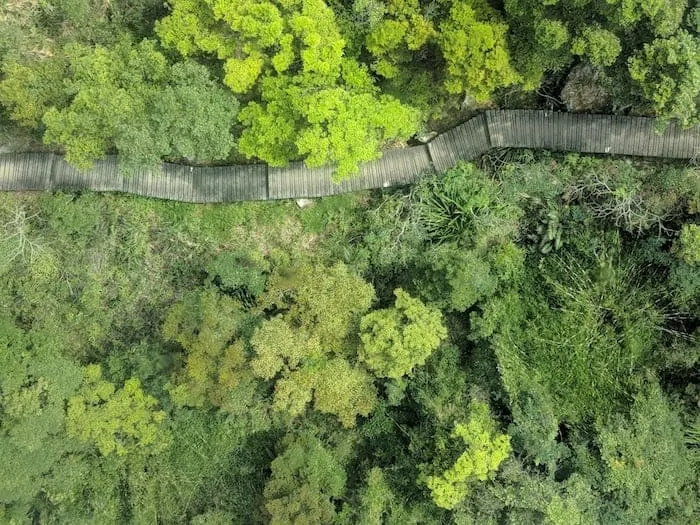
(618, 135)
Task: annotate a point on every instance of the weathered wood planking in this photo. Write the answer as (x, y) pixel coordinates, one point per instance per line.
(396, 167)
(467, 141)
(621, 135)
(586, 133)
(25, 171)
(104, 176)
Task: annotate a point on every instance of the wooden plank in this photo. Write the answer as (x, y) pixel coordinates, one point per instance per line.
(644, 136)
(542, 131)
(638, 143)
(627, 127)
(563, 120)
(563, 131)
(684, 141)
(691, 147)
(494, 127)
(672, 144)
(517, 128)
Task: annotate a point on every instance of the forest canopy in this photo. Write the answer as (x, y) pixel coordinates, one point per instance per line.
(328, 82)
(513, 341)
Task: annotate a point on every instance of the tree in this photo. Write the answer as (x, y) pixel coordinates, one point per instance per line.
(585, 325)
(313, 102)
(123, 421)
(304, 480)
(601, 46)
(193, 115)
(307, 348)
(257, 39)
(110, 88)
(375, 499)
(667, 73)
(395, 340)
(305, 371)
(545, 36)
(687, 248)
(35, 384)
(29, 89)
(474, 46)
(342, 124)
(486, 450)
(127, 97)
(647, 461)
(393, 40)
(206, 325)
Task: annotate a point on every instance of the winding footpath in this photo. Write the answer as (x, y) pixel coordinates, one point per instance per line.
(584, 133)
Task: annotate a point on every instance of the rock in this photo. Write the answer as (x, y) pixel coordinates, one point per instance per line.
(427, 137)
(586, 89)
(303, 203)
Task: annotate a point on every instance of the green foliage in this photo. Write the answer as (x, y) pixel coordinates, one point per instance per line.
(28, 91)
(375, 498)
(237, 272)
(342, 124)
(687, 248)
(396, 340)
(393, 40)
(257, 39)
(127, 97)
(110, 88)
(583, 338)
(207, 326)
(473, 43)
(193, 115)
(305, 348)
(601, 46)
(244, 324)
(546, 36)
(123, 421)
(304, 480)
(668, 74)
(314, 103)
(648, 463)
(34, 386)
(451, 206)
(486, 450)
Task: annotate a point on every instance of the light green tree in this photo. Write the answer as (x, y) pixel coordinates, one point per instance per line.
(599, 45)
(307, 349)
(687, 247)
(393, 40)
(486, 450)
(120, 421)
(309, 101)
(343, 123)
(667, 72)
(473, 43)
(303, 481)
(257, 39)
(29, 89)
(396, 340)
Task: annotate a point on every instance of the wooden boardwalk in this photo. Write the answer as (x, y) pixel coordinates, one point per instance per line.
(606, 134)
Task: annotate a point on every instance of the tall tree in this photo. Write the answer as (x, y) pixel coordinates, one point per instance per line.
(303, 482)
(395, 340)
(313, 102)
(667, 72)
(120, 421)
(127, 97)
